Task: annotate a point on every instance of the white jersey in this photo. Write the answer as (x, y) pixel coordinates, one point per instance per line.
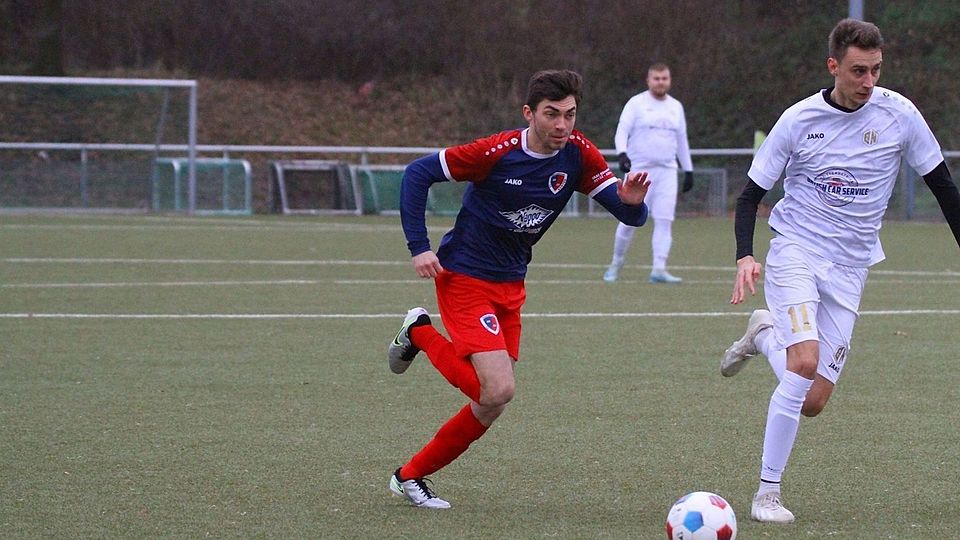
(839, 171)
(653, 133)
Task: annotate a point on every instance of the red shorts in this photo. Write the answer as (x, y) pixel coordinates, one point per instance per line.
(480, 315)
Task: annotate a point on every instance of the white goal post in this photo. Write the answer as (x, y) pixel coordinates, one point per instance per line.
(190, 85)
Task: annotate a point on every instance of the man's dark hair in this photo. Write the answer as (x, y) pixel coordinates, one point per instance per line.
(860, 34)
(658, 66)
(553, 85)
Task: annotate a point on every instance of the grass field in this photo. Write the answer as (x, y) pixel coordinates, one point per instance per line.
(193, 377)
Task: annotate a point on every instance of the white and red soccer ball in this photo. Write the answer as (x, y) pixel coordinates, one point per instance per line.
(701, 515)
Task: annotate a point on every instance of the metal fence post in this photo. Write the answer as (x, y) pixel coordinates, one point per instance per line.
(84, 199)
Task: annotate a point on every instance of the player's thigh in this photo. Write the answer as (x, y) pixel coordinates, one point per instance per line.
(494, 370)
(468, 308)
(510, 300)
(662, 197)
(842, 289)
(790, 288)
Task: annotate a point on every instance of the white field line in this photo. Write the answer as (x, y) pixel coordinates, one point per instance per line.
(259, 316)
(247, 227)
(368, 282)
(218, 225)
(355, 262)
(216, 283)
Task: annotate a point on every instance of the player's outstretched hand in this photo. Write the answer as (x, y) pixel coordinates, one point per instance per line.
(427, 265)
(633, 189)
(748, 272)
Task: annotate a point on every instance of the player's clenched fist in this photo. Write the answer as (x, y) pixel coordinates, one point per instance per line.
(427, 264)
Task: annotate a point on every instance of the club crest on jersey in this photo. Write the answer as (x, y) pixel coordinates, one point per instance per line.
(490, 322)
(837, 187)
(870, 137)
(528, 219)
(557, 181)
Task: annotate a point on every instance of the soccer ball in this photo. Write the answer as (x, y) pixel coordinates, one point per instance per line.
(701, 515)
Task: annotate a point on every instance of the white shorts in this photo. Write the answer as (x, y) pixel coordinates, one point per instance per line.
(812, 298)
(662, 197)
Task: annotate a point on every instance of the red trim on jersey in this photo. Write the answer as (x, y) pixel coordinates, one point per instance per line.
(473, 161)
(595, 169)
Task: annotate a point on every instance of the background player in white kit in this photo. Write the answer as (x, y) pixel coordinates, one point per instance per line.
(652, 136)
(840, 150)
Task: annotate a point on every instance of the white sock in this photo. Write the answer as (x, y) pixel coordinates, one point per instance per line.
(767, 487)
(621, 243)
(783, 421)
(766, 343)
(661, 240)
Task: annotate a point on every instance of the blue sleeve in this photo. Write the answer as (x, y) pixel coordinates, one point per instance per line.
(630, 215)
(417, 179)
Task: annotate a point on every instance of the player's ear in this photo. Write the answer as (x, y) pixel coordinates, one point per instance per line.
(833, 66)
(527, 112)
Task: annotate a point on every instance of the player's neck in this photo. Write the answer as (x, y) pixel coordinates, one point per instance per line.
(828, 96)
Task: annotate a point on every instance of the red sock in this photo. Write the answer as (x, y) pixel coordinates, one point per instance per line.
(451, 440)
(457, 370)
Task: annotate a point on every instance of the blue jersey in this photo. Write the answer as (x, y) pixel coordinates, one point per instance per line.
(514, 195)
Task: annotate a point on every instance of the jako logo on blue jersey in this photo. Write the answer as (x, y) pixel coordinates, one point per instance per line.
(490, 322)
(557, 181)
(528, 218)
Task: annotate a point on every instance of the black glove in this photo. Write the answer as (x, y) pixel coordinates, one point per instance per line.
(687, 181)
(624, 162)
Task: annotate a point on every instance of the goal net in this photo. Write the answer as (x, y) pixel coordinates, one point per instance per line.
(93, 143)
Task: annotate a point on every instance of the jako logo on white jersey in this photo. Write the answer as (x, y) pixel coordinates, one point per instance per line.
(837, 187)
(528, 219)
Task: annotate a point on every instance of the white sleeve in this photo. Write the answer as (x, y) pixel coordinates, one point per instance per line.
(921, 149)
(683, 145)
(624, 126)
(771, 158)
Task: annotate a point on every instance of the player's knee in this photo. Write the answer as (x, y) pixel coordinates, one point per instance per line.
(487, 415)
(499, 393)
(806, 367)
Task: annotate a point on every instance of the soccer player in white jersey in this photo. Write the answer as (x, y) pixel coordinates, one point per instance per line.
(652, 136)
(840, 151)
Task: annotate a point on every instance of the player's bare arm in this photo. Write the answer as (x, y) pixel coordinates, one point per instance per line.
(427, 264)
(632, 190)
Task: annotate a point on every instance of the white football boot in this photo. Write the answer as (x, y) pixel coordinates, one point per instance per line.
(416, 491)
(743, 349)
(612, 273)
(401, 352)
(662, 276)
(767, 508)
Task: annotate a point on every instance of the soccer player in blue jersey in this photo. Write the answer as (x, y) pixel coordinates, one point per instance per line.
(520, 181)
